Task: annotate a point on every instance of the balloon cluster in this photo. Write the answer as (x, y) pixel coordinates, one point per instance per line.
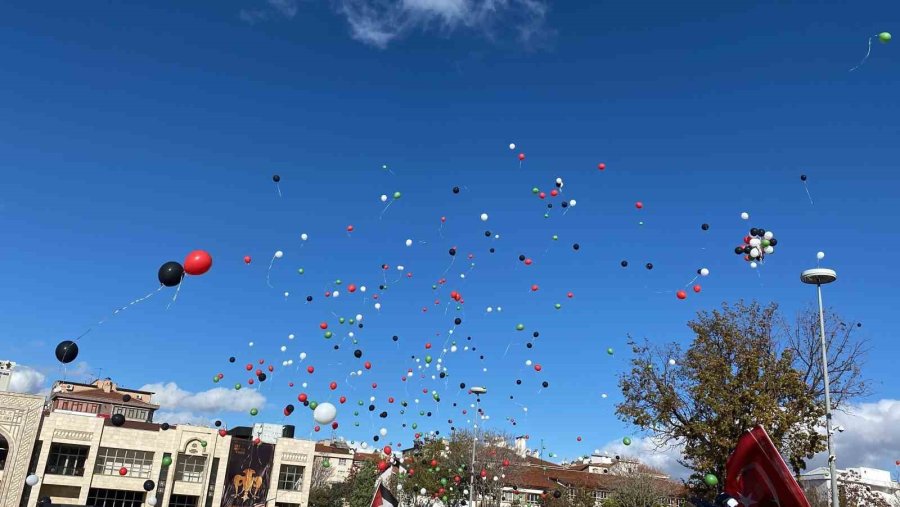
(757, 245)
(196, 263)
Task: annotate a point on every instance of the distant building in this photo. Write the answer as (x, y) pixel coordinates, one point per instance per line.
(871, 480)
(336, 458)
(103, 398)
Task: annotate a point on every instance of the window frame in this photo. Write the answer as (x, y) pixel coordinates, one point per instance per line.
(186, 468)
(286, 483)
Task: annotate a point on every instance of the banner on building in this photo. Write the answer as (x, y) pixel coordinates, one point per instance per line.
(247, 474)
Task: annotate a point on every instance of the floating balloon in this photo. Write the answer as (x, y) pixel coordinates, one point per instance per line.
(757, 245)
(149, 485)
(324, 413)
(31, 480)
(117, 420)
(197, 262)
(247, 259)
(66, 351)
(820, 255)
(170, 274)
(745, 216)
(711, 480)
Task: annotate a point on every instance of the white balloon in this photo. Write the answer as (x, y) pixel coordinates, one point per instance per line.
(820, 255)
(745, 215)
(31, 480)
(400, 268)
(572, 203)
(279, 254)
(753, 265)
(453, 348)
(283, 348)
(304, 236)
(489, 309)
(484, 217)
(383, 432)
(528, 362)
(304, 385)
(409, 242)
(754, 252)
(671, 362)
(383, 198)
(325, 413)
(399, 487)
(378, 306)
(754, 242)
(704, 272)
(603, 395)
(359, 317)
(290, 362)
(362, 288)
(512, 146)
(302, 356)
(151, 501)
(559, 181)
(423, 491)
(768, 235)
(286, 294)
(365, 445)
(770, 249)
(336, 293)
(250, 344)
(290, 336)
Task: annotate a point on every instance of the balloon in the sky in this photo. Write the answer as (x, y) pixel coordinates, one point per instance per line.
(383, 197)
(521, 156)
(757, 245)
(279, 254)
(884, 37)
(745, 216)
(325, 413)
(117, 420)
(626, 441)
(512, 146)
(820, 255)
(705, 227)
(66, 351)
(170, 274)
(276, 178)
(704, 272)
(197, 262)
(247, 259)
(601, 166)
(484, 217)
(304, 236)
(802, 177)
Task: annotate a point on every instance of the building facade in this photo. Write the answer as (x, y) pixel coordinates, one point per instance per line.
(867, 484)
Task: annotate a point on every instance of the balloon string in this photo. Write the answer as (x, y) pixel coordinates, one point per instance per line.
(116, 312)
(269, 272)
(177, 290)
(692, 280)
(868, 52)
(278, 187)
(385, 209)
(452, 260)
(807, 192)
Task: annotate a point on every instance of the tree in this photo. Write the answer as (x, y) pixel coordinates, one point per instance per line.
(321, 492)
(639, 490)
(570, 497)
(734, 375)
(360, 486)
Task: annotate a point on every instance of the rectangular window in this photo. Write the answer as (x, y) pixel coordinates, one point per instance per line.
(342, 462)
(283, 504)
(183, 501)
(66, 460)
(290, 478)
(110, 461)
(115, 498)
(189, 468)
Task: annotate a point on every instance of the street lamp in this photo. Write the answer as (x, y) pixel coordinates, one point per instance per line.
(477, 391)
(820, 277)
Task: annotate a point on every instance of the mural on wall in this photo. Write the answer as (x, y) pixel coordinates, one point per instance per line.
(248, 474)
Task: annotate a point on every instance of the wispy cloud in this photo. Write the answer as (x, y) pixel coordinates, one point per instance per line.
(646, 450)
(180, 405)
(275, 8)
(870, 437)
(379, 22)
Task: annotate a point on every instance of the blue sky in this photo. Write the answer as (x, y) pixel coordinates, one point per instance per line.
(132, 134)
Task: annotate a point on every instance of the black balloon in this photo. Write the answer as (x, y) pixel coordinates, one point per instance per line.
(455, 190)
(624, 264)
(802, 177)
(66, 351)
(754, 232)
(165, 426)
(492, 250)
(487, 234)
(462, 385)
(452, 251)
(149, 485)
(395, 338)
(576, 246)
(170, 274)
(117, 419)
(231, 359)
(545, 383)
(276, 178)
(457, 321)
(535, 334)
(649, 265)
(705, 227)
(357, 353)
(261, 377)
(126, 398)
(739, 250)
(773, 241)
(218, 423)
(557, 494)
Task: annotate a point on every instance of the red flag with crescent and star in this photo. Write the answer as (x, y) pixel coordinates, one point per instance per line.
(757, 476)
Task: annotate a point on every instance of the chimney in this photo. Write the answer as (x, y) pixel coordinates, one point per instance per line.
(522, 446)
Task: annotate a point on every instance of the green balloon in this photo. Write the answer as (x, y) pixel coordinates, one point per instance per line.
(436, 397)
(355, 341)
(546, 215)
(884, 37)
(351, 321)
(356, 412)
(356, 423)
(328, 334)
(313, 405)
(203, 443)
(428, 359)
(341, 320)
(300, 271)
(443, 481)
(360, 403)
(609, 351)
(520, 327)
(237, 387)
(535, 190)
(765, 242)
(557, 306)
(338, 281)
(326, 464)
(253, 411)
(215, 379)
(434, 287)
(555, 237)
(626, 441)
(711, 480)
(444, 498)
(421, 412)
(415, 425)
(397, 195)
(166, 461)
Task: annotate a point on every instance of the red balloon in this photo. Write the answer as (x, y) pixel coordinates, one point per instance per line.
(302, 397)
(521, 156)
(247, 259)
(290, 384)
(681, 294)
(434, 462)
(256, 441)
(639, 205)
(334, 425)
(534, 288)
(528, 262)
(310, 369)
(506, 462)
(391, 399)
(316, 428)
(387, 450)
(197, 262)
(374, 385)
(271, 368)
(368, 365)
(349, 228)
(542, 195)
(323, 325)
(428, 345)
(697, 288)
(351, 288)
(249, 366)
(483, 473)
(123, 471)
(601, 166)
(333, 385)
(554, 192)
(537, 367)
(343, 399)
(579, 439)
(570, 295)
(250, 382)
(222, 433)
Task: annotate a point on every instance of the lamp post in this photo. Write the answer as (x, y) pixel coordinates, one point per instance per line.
(820, 277)
(477, 391)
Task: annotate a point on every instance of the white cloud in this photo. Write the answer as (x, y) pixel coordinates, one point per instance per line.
(378, 22)
(26, 380)
(287, 8)
(181, 417)
(175, 400)
(647, 452)
(870, 438)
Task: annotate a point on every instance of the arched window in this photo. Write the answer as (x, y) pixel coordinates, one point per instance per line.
(4, 451)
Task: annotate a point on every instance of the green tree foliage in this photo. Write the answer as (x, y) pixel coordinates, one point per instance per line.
(735, 374)
(360, 486)
(570, 497)
(637, 490)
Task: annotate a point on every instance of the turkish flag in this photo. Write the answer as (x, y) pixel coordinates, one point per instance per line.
(756, 475)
